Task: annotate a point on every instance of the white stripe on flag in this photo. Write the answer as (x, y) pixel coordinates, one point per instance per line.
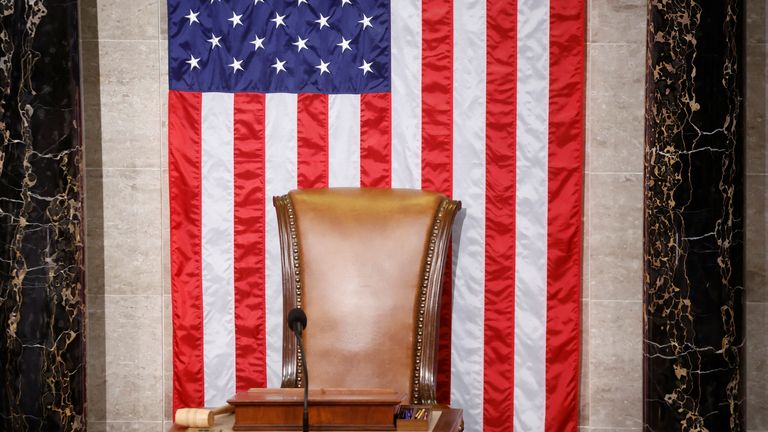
(406, 93)
(281, 173)
(467, 357)
(344, 140)
(217, 166)
(531, 214)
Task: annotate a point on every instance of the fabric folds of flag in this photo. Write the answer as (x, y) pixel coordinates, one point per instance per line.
(480, 100)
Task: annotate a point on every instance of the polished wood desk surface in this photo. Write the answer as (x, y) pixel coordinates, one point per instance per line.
(448, 420)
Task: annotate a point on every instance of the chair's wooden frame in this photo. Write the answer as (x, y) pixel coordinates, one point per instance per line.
(427, 323)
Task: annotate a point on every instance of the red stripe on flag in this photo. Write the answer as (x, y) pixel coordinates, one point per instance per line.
(437, 96)
(312, 141)
(249, 189)
(185, 189)
(566, 136)
(437, 147)
(500, 131)
(376, 140)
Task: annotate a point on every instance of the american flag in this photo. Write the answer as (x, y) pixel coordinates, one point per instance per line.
(480, 100)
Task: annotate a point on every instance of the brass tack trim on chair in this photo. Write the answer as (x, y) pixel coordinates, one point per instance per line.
(297, 280)
(423, 303)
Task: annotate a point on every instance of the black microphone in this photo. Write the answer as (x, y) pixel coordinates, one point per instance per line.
(297, 317)
(297, 321)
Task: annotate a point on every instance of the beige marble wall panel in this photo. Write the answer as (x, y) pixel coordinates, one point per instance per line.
(122, 94)
(615, 107)
(757, 29)
(126, 427)
(615, 239)
(124, 247)
(757, 366)
(586, 222)
(91, 81)
(96, 359)
(165, 222)
(163, 18)
(163, 66)
(125, 366)
(756, 278)
(119, 19)
(165, 236)
(613, 236)
(756, 238)
(167, 359)
(125, 129)
(584, 366)
(615, 364)
(617, 21)
(756, 107)
(94, 232)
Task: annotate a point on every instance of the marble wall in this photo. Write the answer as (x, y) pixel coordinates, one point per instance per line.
(127, 245)
(127, 291)
(694, 217)
(756, 236)
(42, 314)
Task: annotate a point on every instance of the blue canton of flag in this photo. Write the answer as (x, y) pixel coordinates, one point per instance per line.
(279, 46)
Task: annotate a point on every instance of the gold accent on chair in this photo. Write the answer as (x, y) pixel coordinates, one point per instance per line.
(366, 265)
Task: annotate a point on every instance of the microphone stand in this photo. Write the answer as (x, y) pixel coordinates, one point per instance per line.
(305, 417)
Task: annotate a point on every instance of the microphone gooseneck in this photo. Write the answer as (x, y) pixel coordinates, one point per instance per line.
(297, 321)
(305, 417)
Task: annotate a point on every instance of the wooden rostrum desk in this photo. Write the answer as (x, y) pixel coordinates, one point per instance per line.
(330, 410)
(443, 420)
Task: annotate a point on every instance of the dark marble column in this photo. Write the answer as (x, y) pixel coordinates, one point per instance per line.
(42, 349)
(694, 217)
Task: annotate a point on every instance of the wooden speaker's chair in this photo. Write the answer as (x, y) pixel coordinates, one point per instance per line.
(366, 265)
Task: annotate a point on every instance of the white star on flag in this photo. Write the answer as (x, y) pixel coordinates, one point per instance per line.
(344, 44)
(323, 21)
(345, 2)
(235, 65)
(278, 20)
(235, 20)
(366, 22)
(278, 65)
(323, 66)
(366, 67)
(302, 1)
(300, 43)
(214, 40)
(258, 43)
(193, 62)
(192, 17)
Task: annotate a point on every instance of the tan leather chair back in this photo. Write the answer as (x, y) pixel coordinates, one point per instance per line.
(366, 266)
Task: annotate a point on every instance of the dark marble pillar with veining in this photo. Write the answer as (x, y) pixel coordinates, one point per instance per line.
(42, 348)
(694, 217)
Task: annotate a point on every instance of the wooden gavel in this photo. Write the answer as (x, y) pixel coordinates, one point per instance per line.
(200, 417)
